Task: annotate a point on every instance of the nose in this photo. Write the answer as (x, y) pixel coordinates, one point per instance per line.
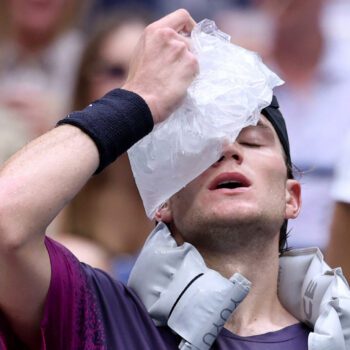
(231, 151)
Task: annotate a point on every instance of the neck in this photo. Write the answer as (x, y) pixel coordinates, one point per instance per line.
(261, 311)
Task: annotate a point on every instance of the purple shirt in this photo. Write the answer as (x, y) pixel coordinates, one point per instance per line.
(87, 309)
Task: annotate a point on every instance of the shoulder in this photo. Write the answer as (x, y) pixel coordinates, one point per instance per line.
(83, 303)
(69, 272)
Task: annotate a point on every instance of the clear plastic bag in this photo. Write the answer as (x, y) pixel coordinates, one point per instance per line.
(233, 86)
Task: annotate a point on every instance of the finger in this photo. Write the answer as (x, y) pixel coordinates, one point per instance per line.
(179, 20)
(184, 39)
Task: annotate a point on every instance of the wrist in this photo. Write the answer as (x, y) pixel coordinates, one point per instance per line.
(150, 100)
(115, 122)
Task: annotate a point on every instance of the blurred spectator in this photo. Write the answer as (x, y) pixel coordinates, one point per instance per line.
(315, 105)
(199, 9)
(40, 48)
(13, 134)
(108, 209)
(335, 25)
(103, 7)
(249, 27)
(337, 253)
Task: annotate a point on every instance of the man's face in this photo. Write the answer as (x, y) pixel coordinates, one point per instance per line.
(246, 190)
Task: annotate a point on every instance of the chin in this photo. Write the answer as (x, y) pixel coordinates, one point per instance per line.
(235, 212)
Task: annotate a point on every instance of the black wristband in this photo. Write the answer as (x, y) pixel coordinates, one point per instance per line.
(115, 122)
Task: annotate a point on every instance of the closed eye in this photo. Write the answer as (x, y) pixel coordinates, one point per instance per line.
(256, 136)
(251, 144)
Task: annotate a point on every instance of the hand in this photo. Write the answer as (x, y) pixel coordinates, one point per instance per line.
(162, 66)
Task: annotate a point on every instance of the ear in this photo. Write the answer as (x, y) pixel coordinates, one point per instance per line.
(164, 213)
(293, 199)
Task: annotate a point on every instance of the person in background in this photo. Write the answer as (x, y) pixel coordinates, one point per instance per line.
(13, 134)
(40, 49)
(237, 22)
(104, 210)
(339, 244)
(315, 105)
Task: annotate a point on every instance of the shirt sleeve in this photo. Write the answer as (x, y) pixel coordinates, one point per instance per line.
(71, 317)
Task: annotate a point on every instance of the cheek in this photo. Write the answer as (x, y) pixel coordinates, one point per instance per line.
(276, 182)
(272, 162)
(272, 171)
(187, 198)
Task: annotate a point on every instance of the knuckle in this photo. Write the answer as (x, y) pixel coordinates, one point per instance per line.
(193, 59)
(193, 63)
(165, 33)
(180, 46)
(177, 49)
(184, 13)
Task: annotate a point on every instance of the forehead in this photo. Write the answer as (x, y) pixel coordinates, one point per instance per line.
(264, 125)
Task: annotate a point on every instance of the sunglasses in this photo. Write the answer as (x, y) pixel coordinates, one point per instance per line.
(110, 70)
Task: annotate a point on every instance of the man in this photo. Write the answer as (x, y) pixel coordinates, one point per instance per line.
(232, 214)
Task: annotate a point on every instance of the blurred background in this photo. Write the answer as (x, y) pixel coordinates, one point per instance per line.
(59, 55)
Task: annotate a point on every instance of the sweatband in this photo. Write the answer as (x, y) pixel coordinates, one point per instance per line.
(115, 122)
(275, 117)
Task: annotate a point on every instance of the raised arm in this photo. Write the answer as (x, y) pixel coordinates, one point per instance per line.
(40, 179)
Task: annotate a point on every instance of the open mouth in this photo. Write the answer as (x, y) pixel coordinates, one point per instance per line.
(229, 184)
(229, 181)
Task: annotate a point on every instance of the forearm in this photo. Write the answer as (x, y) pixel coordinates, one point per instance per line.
(34, 185)
(39, 180)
